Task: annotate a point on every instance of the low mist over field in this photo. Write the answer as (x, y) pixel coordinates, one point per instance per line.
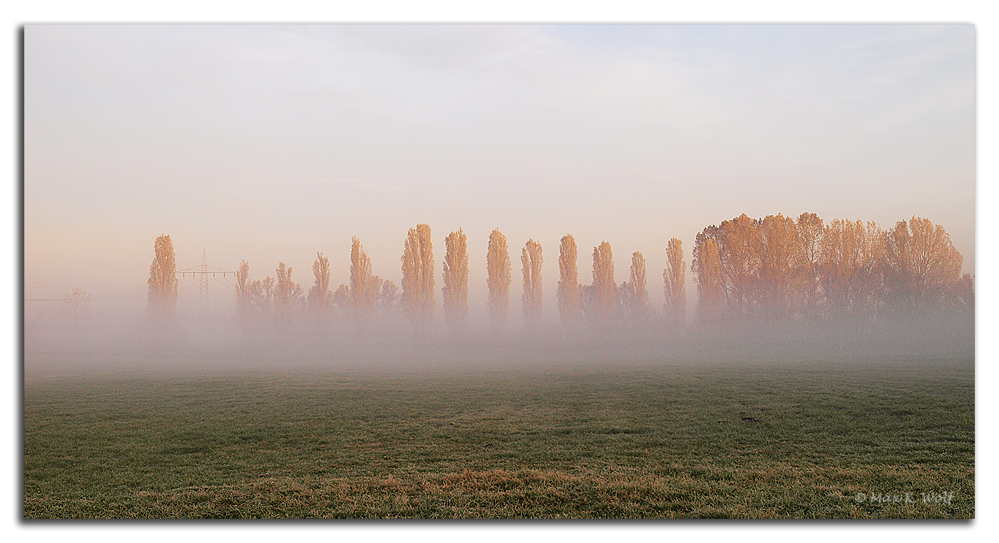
(499, 271)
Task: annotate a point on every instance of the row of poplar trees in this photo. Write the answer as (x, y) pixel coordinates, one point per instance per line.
(781, 268)
(772, 268)
(602, 301)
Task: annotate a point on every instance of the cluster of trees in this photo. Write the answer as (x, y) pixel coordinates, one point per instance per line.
(607, 304)
(282, 299)
(781, 268)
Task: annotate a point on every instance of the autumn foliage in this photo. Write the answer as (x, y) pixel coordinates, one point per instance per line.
(498, 278)
(162, 283)
(674, 287)
(776, 268)
(418, 279)
(531, 259)
(602, 299)
(568, 284)
(455, 291)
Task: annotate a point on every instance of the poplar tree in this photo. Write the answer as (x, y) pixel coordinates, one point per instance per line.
(455, 291)
(638, 295)
(709, 285)
(568, 285)
(162, 283)
(244, 291)
(287, 293)
(418, 280)
(674, 289)
(531, 259)
(603, 281)
(319, 297)
(498, 279)
(362, 285)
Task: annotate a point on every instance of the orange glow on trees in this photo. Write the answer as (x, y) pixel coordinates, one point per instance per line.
(674, 288)
(362, 285)
(287, 293)
(498, 279)
(709, 283)
(418, 279)
(455, 291)
(603, 282)
(531, 259)
(638, 294)
(921, 264)
(162, 283)
(568, 284)
(319, 297)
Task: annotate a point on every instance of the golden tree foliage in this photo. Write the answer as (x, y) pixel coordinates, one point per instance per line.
(603, 281)
(362, 284)
(319, 297)
(455, 291)
(287, 293)
(921, 264)
(498, 279)
(741, 253)
(850, 260)
(674, 288)
(418, 279)
(162, 283)
(810, 232)
(709, 284)
(638, 294)
(568, 284)
(781, 266)
(531, 259)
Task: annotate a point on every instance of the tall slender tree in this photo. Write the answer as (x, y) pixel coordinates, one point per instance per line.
(455, 291)
(740, 250)
(568, 284)
(709, 283)
(244, 292)
(498, 279)
(603, 281)
(162, 283)
(674, 289)
(638, 295)
(531, 258)
(287, 293)
(362, 286)
(418, 280)
(319, 297)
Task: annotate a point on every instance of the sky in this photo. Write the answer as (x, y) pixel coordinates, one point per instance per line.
(271, 143)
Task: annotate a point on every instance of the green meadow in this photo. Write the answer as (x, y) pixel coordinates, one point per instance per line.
(849, 439)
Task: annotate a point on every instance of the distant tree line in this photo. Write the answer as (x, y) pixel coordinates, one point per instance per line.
(773, 268)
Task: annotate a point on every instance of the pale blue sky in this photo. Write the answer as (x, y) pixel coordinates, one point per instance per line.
(271, 143)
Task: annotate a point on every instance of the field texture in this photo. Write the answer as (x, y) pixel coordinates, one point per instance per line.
(873, 439)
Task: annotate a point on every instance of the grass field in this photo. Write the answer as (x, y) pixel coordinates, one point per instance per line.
(760, 440)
